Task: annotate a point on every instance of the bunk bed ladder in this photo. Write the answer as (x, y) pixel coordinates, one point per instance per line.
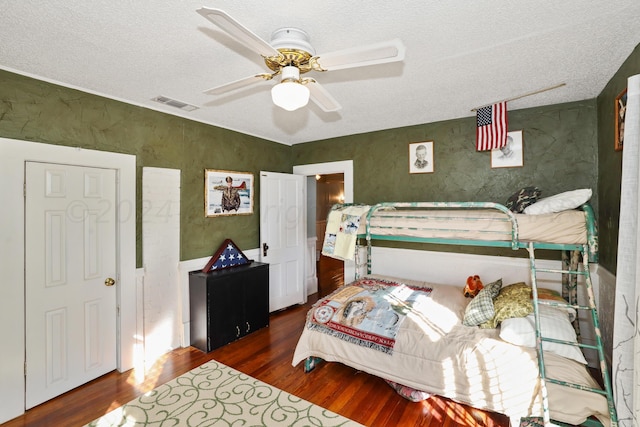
(607, 392)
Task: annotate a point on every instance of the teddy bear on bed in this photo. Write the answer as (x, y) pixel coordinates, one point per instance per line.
(474, 285)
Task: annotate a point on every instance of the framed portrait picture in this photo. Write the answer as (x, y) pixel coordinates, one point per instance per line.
(621, 109)
(227, 193)
(511, 155)
(421, 157)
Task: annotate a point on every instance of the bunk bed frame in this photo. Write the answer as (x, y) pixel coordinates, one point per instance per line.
(588, 253)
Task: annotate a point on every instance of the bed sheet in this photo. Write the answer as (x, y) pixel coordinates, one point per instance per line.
(435, 353)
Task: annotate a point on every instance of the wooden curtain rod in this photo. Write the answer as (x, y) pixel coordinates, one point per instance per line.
(535, 92)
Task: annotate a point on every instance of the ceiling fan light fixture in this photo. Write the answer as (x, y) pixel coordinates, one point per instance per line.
(290, 94)
(290, 54)
(292, 39)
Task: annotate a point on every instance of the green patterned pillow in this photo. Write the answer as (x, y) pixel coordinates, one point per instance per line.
(512, 301)
(480, 309)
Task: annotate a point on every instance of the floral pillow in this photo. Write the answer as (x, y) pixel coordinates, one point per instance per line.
(552, 295)
(522, 198)
(512, 301)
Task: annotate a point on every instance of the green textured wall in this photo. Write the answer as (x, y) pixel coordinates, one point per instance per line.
(562, 149)
(610, 173)
(560, 153)
(34, 110)
(610, 162)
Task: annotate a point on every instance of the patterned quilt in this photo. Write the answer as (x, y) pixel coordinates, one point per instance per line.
(342, 231)
(368, 312)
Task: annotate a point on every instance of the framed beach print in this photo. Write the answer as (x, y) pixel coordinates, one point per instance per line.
(421, 157)
(511, 155)
(227, 193)
(621, 109)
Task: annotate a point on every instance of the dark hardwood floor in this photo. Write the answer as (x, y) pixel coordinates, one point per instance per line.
(265, 355)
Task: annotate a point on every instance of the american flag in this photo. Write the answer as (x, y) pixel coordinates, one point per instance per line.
(492, 127)
(231, 256)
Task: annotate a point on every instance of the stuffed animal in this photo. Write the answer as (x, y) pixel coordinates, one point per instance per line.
(474, 285)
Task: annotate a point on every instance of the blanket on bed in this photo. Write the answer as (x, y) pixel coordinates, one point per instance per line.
(369, 312)
(436, 353)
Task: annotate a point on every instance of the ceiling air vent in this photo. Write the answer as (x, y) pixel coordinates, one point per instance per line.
(174, 103)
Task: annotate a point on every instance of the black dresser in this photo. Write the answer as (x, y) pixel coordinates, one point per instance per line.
(228, 304)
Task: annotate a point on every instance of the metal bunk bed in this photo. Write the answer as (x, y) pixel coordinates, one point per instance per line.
(588, 251)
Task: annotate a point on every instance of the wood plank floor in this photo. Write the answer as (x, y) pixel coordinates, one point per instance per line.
(265, 355)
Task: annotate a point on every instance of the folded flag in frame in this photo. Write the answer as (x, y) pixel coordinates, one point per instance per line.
(491, 132)
(228, 255)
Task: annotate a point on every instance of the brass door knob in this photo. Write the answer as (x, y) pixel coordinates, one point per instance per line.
(109, 282)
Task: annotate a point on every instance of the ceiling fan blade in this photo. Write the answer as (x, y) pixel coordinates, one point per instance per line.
(238, 31)
(321, 96)
(247, 81)
(377, 53)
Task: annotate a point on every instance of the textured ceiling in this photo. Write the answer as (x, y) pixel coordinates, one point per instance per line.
(459, 55)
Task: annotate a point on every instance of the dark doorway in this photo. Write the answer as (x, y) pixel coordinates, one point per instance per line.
(329, 191)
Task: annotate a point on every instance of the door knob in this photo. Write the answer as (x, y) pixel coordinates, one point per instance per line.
(109, 282)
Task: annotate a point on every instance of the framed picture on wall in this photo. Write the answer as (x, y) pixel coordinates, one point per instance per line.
(511, 155)
(421, 157)
(621, 109)
(227, 193)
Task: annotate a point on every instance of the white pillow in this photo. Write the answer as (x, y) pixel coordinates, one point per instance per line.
(559, 202)
(554, 323)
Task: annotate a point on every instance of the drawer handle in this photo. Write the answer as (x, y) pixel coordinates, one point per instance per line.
(237, 331)
(248, 327)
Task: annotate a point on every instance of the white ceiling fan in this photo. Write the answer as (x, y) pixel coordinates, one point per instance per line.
(289, 54)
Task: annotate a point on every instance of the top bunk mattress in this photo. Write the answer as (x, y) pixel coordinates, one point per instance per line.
(566, 227)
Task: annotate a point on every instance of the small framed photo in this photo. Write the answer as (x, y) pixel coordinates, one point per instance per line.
(621, 110)
(227, 193)
(421, 157)
(511, 155)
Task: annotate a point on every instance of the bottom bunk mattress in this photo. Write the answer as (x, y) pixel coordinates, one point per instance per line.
(411, 333)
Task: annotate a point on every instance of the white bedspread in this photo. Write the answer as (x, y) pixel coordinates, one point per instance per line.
(434, 352)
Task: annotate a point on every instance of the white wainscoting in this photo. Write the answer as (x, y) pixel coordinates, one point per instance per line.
(607, 282)
(160, 254)
(311, 274)
(138, 350)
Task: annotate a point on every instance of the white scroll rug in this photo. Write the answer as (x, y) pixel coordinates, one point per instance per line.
(216, 395)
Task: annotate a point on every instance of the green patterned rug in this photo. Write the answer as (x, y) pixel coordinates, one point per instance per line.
(216, 395)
